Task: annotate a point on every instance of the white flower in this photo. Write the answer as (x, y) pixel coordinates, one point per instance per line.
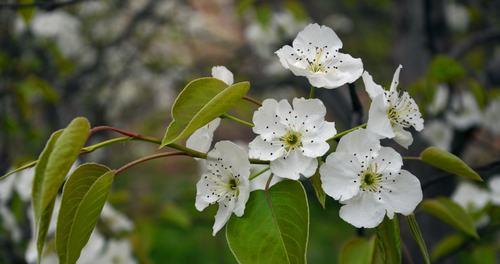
(202, 138)
(117, 252)
(465, 112)
(457, 16)
(315, 55)
(491, 117)
(439, 134)
(439, 100)
(494, 185)
(470, 197)
(223, 74)
(391, 112)
(225, 182)
(291, 139)
(115, 220)
(368, 180)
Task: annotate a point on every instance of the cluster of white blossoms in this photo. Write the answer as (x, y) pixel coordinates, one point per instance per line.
(294, 138)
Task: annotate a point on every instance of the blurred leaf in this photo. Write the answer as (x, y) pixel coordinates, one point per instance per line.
(276, 221)
(478, 91)
(201, 101)
(448, 162)
(82, 203)
(264, 15)
(53, 165)
(176, 215)
(447, 245)
(318, 190)
(451, 213)
(444, 69)
(244, 5)
(417, 236)
(388, 241)
(479, 255)
(358, 250)
(26, 12)
(297, 10)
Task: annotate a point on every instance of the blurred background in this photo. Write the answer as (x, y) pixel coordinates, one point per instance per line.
(122, 63)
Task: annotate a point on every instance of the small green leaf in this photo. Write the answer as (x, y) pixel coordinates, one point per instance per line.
(318, 190)
(78, 186)
(26, 12)
(451, 213)
(446, 246)
(445, 69)
(53, 165)
(201, 101)
(358, 251)
(275, 227)
(417, 236)
(23, 167)
(388, 241)
(448, 162)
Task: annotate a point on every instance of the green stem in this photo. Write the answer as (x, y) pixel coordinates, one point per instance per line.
(311, 92)
(345, 132)
(237, 120)
(150, 157)
(259, 173)
(412, 158)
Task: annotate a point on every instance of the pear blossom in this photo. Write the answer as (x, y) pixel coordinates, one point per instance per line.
(491, 117)
(201, 139)
(116, 221)
(223, 74)
(439, 134)
(315, 55)
(465, 112)
(494, 185)
(225, 182)
(368, 180)
(440, 100)
(392, 112)
(117, 252)
(291, 138)
(470, 197)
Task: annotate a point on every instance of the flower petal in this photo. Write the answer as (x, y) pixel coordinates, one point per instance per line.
(339, 175)
(315, 35)
(314, 143)
(388, 160)
(313, 108)
(363, 211)
(267, 122)
(202, 138)
(402, 194)
(265, 150)
(402, 137)
(293, 165)
(260, 182)
(359, 143)
(378, 122)
(470, 196)
(395, 79)
(223, 215)
(346, 70)
(242, 199)
(223, 74)
(371, 87)
(286, 55)
(494, 185)
(232, 157)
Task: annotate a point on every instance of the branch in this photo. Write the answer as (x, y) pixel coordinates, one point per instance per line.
(492, 34)
(357, 108)
(151, 157)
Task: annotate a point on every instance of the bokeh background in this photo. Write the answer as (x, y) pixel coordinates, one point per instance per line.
(122, 63)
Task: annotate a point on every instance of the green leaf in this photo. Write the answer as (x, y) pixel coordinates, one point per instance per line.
(201, 101)
(451, 213)
(445, 69)
(358, 251)
(23, 167)
(388, 241)
(26, 12)
(446, 246)
(417, 236)
(275, 227)
(318, 190)
(448, 162)
(53, 165)
(77, 191)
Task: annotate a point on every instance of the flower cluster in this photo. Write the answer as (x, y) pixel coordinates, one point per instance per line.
(366, 177)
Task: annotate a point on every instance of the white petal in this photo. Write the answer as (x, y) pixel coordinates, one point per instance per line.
(203, 197)
(202, 138)
(371, 87)
(363, 211)
(402, 137)
(223, 74)
(265, 150)
(318, 36)
(494, 185)
(311, 169)
(339, 176)
(348, 70)
(242, 199)
(439, 134)
(293, 165)
(388, 160)
(260, 182)
(232, 156)
(314, 143)
(222, 216)
(360, 142)
(470, 196)
(286, 55)
(402, 194)
(267, 122)
(465, 112)
(395, 79)
(309, 107)
(378, 122)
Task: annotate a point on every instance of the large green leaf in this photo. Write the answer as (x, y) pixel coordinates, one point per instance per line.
(79, 185)
(448, 162)
(201, 101)
(451, 213)
(447, 245)
(388, 241)
(418, 237)
(275, 227)
(53, 165)
(358, 250)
